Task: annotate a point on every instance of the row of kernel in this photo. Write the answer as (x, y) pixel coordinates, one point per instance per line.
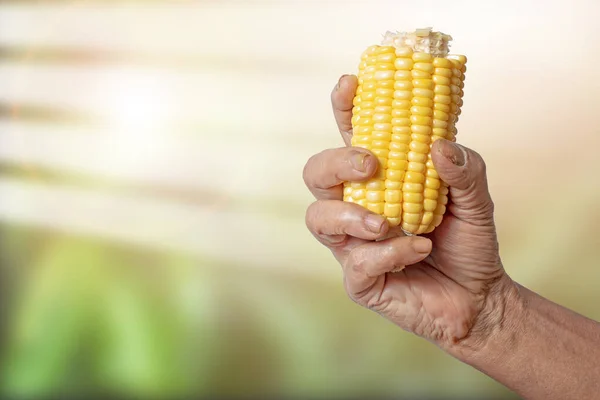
(435, 194)
(432, 182)
(363, 114)
(400, 139)
(420, 126)
(356, 102)
(456, 85)
(454, 73)
(458, 76)
(382, 127)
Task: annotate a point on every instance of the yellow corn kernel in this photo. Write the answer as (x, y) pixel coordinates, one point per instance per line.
(442, 89)
(404, 63)
(424, 66)
(402, 75)
(393, 185)
(422, 101)
(375, 196)
(416, 167)
(441, 107)
(358, 194)
(440, 62)
(393, 196)
(445, 72)
(417, 157)
(418, 73)
(439, 124)
(407, 227)
(412, 218)
(423, 83)
(406, 99)
(403, 85)
(420, 120)
(402, 94)
(427, 219)
(393, 221)
(412, 208)
(392, 210)
(414, 177)
(412, 197)
(420, 92)
(410, 187)
(429, 205)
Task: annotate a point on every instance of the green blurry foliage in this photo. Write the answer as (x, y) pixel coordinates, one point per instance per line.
(93, 317)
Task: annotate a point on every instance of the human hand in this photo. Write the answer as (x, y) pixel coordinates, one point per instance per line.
(436, 286)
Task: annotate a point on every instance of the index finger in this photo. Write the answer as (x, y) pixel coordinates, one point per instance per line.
(342, 98)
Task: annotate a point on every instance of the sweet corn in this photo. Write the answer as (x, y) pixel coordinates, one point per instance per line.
(409, 95)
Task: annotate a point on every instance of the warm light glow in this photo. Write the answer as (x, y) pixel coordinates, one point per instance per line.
(138, 103)
(138, 112)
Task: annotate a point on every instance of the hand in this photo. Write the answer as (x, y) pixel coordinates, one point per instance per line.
(437, 285)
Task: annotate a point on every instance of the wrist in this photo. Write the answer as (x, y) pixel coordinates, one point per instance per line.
(494, 328)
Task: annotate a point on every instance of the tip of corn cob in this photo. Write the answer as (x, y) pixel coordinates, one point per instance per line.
(423, 40)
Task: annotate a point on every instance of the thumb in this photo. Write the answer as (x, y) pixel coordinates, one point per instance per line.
(465, 172)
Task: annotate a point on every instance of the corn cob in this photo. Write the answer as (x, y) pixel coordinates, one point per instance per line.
(409, 95)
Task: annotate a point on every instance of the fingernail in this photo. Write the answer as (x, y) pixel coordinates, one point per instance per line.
(421, 245)
(339, 84)
(359, 161)
(453, 152)
(374, 222)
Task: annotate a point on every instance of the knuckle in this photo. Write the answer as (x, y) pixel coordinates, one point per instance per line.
(315, 219)
(487, 211)
(491, 206)
(334, 241)
(333, 95)
(357, 262)
(312, 214)
(317, 168)
(355, 297)
(351, 295)
(378, 303)
(306, 171)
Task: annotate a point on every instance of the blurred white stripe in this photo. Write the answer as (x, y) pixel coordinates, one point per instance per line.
(241, 238)
(280, 106)
(297, 109)
(306, 32)
(244, 29)
(241, 167)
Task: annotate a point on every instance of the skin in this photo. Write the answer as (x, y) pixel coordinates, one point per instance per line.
(449, 287)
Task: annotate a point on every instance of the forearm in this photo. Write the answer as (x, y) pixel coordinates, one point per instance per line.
(537, 348)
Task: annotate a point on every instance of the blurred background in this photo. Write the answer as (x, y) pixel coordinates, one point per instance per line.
(152, 238)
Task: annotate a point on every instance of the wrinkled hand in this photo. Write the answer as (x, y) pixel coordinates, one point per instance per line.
(434, 285)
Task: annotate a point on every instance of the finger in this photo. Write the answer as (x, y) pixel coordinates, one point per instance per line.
(371, 260)
(331, 221)
(465, 172)
(325, 172)
(342, 98)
